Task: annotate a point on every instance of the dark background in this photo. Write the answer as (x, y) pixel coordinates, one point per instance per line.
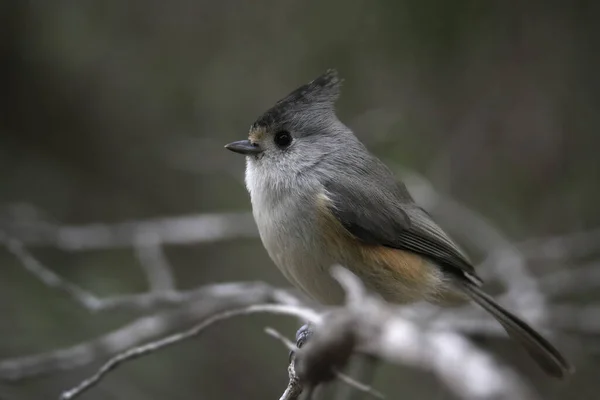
(118, 110)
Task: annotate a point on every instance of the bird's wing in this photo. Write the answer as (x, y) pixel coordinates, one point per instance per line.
(390, 218)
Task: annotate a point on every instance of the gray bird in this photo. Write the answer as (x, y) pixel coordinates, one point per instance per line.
(319, 198)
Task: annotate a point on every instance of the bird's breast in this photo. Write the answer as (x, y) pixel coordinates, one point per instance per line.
(290, 232)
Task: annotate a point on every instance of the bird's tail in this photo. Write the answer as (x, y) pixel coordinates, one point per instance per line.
(541, 350)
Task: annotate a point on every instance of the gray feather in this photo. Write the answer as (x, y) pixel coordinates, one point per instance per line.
(316, 97)
(540, 350)
(385, 214)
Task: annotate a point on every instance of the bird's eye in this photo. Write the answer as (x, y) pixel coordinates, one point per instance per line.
(283, 139)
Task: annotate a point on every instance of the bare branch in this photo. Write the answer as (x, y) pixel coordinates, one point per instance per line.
(361, 387)
(136, 352)
(200, 304)
(293, 389)
(294, 381)
(379, 330)
(154, 262)
(418, 336)
(150, 301)
(187, 229)
(277, 335)
(132, 334)
(383, 333)
(35, 267)
(199, 228)
(362, 371)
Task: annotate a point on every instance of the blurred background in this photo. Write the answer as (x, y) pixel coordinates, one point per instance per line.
(114, 111)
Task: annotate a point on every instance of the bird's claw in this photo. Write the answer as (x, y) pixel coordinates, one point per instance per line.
(302, 336)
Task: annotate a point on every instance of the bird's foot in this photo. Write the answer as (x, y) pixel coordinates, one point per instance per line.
(302, 336)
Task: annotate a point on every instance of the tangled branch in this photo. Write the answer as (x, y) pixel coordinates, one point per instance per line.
(419, 336)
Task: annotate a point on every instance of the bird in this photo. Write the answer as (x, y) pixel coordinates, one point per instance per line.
(320, 198)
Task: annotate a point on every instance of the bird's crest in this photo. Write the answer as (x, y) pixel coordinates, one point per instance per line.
(318, 95)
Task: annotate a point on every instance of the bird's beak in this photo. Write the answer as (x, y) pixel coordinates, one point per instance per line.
(245, 147)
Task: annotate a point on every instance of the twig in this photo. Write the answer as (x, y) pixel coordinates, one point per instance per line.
(202, 303)
(339, 375)
(149, 301)
(140, 330)
(363, 370)
(35, 267)
(154, 262)
(302, 313)
(361, 387)
(277, 335)
(293, 389)
(186, 229)
(383, 333)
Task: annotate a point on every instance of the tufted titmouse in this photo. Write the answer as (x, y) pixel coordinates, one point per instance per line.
(320, 198)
